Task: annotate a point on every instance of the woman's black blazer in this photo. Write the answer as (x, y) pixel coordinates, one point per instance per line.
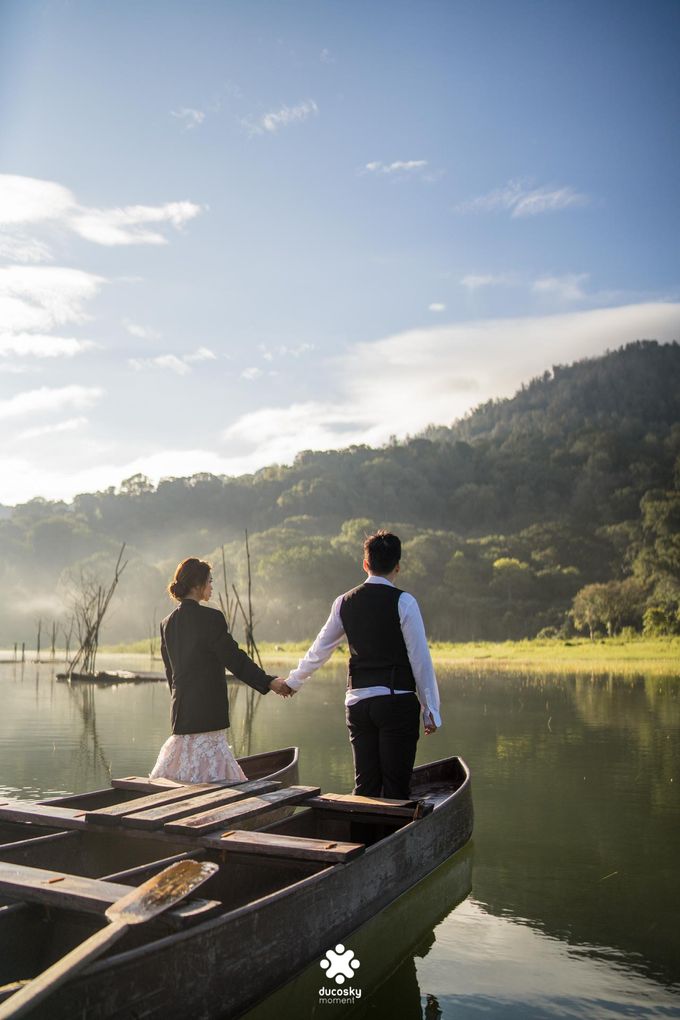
(196, 647)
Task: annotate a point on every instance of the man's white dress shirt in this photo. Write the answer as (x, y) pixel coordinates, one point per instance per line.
(413, 629)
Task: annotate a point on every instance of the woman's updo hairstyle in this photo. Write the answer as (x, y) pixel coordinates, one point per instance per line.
(191, 573)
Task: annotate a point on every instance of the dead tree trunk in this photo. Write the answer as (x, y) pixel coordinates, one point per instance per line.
(91, 603)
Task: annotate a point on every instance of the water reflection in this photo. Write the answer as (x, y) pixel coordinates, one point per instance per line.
(387, 949)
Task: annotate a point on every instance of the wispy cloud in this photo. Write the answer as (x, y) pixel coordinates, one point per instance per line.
(70, 425)
(284, 351)
(141, 332)
(326, 57)
(400, 166)
(48, 399)
(521, 199)
(201, 354)
(252, 373)
(38, 298)
(38, 345)
(437, 306)
(180, 365)
(19, 248)
(270, 123)
(474, 281)
(565, 288)
(128, 225)
(190, 117)
(29, 200)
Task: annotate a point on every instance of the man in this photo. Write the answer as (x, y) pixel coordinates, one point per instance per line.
(390, 676)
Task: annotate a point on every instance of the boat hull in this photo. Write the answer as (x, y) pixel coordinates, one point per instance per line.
(226, 965)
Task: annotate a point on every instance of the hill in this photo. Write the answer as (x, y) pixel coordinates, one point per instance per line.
(506, 514)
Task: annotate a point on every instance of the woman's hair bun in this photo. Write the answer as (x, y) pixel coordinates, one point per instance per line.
(191, 573)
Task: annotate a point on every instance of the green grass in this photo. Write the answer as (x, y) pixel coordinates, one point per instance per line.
(660, 655)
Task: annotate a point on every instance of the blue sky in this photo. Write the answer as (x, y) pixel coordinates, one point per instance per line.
(230, 231)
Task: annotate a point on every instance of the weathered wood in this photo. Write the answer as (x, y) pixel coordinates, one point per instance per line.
(41, 814)
(156, 817)
(137, 906)
(274, 844)
(112, 815)
(370, 805)
(56, 889)
(142, 784)
(208, 821)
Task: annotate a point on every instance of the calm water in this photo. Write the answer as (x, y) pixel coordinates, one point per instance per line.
(566, 903)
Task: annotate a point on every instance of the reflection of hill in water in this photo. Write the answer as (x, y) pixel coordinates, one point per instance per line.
(387, 948)
(575, 784)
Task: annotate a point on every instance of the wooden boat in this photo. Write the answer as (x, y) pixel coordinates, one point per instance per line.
(283, 896)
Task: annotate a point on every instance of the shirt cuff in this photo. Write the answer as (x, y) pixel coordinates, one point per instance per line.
(294, 683)
(434, 716)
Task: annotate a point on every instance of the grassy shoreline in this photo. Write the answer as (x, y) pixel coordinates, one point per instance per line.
(550, 655)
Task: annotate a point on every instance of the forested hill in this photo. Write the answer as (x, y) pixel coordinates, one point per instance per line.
(634, 388)
(506, 515)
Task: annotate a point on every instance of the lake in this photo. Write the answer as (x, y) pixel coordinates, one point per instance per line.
(564, 905)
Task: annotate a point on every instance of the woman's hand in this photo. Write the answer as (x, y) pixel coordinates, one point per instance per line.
(279, 686)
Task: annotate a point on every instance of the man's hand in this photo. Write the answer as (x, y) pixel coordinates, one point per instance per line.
(429, 725)
(279, 686)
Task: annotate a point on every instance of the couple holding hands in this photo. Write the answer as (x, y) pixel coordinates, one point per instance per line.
(390, 676)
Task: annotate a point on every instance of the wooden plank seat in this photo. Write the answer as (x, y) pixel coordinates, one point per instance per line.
(275, 844)
(156, 817)
(92, 895)
(41, 814)
(208, 821)
(142, 784)
(371, 805)
(162, 805)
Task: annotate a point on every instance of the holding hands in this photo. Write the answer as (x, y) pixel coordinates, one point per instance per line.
(280, 687)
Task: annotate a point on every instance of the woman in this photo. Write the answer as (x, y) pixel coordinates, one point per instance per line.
(196, 646)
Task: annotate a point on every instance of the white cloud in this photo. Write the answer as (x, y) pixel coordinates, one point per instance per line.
(180, 365)
(113, 227)
(565, 288)
(437, 306)
(45, 399)
(29, 200)
(275, 120)
(474, 281)
(41, 297)
(141, 332)
(284, 351)
(201, 354)
(70, 425)
(190, 117)
(399, 166)
(19, 248)
(522, 199)
(251, 373)
(326, 57)
(40, 346)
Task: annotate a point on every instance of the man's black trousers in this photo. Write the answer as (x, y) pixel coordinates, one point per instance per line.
(384, 732)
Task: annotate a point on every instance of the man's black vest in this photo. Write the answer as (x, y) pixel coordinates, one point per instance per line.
(378, 655)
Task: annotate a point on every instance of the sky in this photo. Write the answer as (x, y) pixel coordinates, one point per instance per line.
(231, 231)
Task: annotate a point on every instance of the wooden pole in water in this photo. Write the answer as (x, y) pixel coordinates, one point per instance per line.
(15, 651)
(37, 654)
(54, 638)
(23, 651)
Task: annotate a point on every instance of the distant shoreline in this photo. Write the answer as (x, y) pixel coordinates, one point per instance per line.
(659, 655)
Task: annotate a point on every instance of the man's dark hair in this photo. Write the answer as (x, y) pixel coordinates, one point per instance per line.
(382, 551)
